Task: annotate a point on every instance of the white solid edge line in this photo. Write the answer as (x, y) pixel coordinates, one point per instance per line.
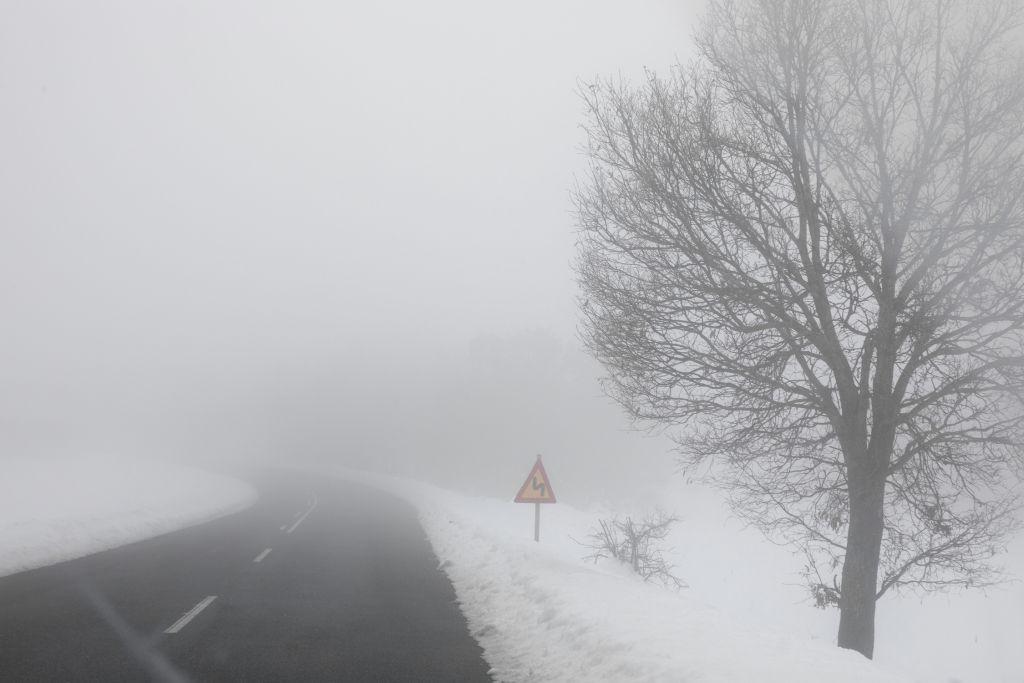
(259, 558)
(191, 614)
(299, 521)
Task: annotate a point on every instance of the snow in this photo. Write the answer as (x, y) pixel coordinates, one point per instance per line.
(541, 612)
(957, 637)
(52, 510)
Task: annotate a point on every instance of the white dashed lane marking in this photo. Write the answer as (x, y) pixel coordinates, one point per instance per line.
(303, 517)
(191, 614)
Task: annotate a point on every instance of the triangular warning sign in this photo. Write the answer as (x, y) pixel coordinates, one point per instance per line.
(537, 487)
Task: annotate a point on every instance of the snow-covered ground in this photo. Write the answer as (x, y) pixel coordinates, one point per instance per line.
(543, 613)
(53, 510)
(956, 637)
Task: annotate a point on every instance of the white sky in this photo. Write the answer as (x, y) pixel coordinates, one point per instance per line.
(192, 186)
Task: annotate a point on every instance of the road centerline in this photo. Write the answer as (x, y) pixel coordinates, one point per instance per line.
(303, 517)
(191, 614)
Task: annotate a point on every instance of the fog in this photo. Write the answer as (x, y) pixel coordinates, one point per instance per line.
(330, 231)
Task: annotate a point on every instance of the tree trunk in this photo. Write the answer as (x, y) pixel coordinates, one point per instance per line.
(860, 568)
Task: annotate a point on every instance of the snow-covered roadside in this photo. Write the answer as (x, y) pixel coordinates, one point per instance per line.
(969, 636)
(53, 510)
(542, 613)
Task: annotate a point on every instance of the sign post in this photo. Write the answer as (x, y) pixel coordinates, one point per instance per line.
(536, 489)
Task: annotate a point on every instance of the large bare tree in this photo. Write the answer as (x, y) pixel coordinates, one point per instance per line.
(804, 252)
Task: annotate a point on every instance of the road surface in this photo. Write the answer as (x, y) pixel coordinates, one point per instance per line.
(319, 580)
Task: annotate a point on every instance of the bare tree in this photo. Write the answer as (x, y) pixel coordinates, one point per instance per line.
(804, 252)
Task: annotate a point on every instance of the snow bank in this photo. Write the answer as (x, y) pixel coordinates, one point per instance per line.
(542, 613)
(55, 510)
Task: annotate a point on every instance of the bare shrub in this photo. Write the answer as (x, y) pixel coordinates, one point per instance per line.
(636, 543)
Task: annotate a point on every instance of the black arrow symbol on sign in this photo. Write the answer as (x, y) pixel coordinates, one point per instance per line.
(539, 487)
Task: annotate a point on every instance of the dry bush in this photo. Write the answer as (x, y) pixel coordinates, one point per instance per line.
(638, 544)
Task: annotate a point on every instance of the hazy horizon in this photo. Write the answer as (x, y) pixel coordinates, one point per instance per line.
(212, 213)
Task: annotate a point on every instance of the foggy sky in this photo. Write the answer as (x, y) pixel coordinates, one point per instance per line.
(201, 200)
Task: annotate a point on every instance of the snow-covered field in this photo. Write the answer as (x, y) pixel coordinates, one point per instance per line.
(956, 637)
(53, 510)
(543, 613)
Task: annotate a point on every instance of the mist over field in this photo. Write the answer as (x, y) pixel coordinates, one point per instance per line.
(329, 232)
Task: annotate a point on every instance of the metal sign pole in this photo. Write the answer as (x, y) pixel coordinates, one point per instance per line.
(536, 489)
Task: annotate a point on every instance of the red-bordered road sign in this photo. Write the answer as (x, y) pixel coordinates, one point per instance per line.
(537, 487)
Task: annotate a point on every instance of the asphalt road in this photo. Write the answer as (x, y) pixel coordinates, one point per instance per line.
(320, 580)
